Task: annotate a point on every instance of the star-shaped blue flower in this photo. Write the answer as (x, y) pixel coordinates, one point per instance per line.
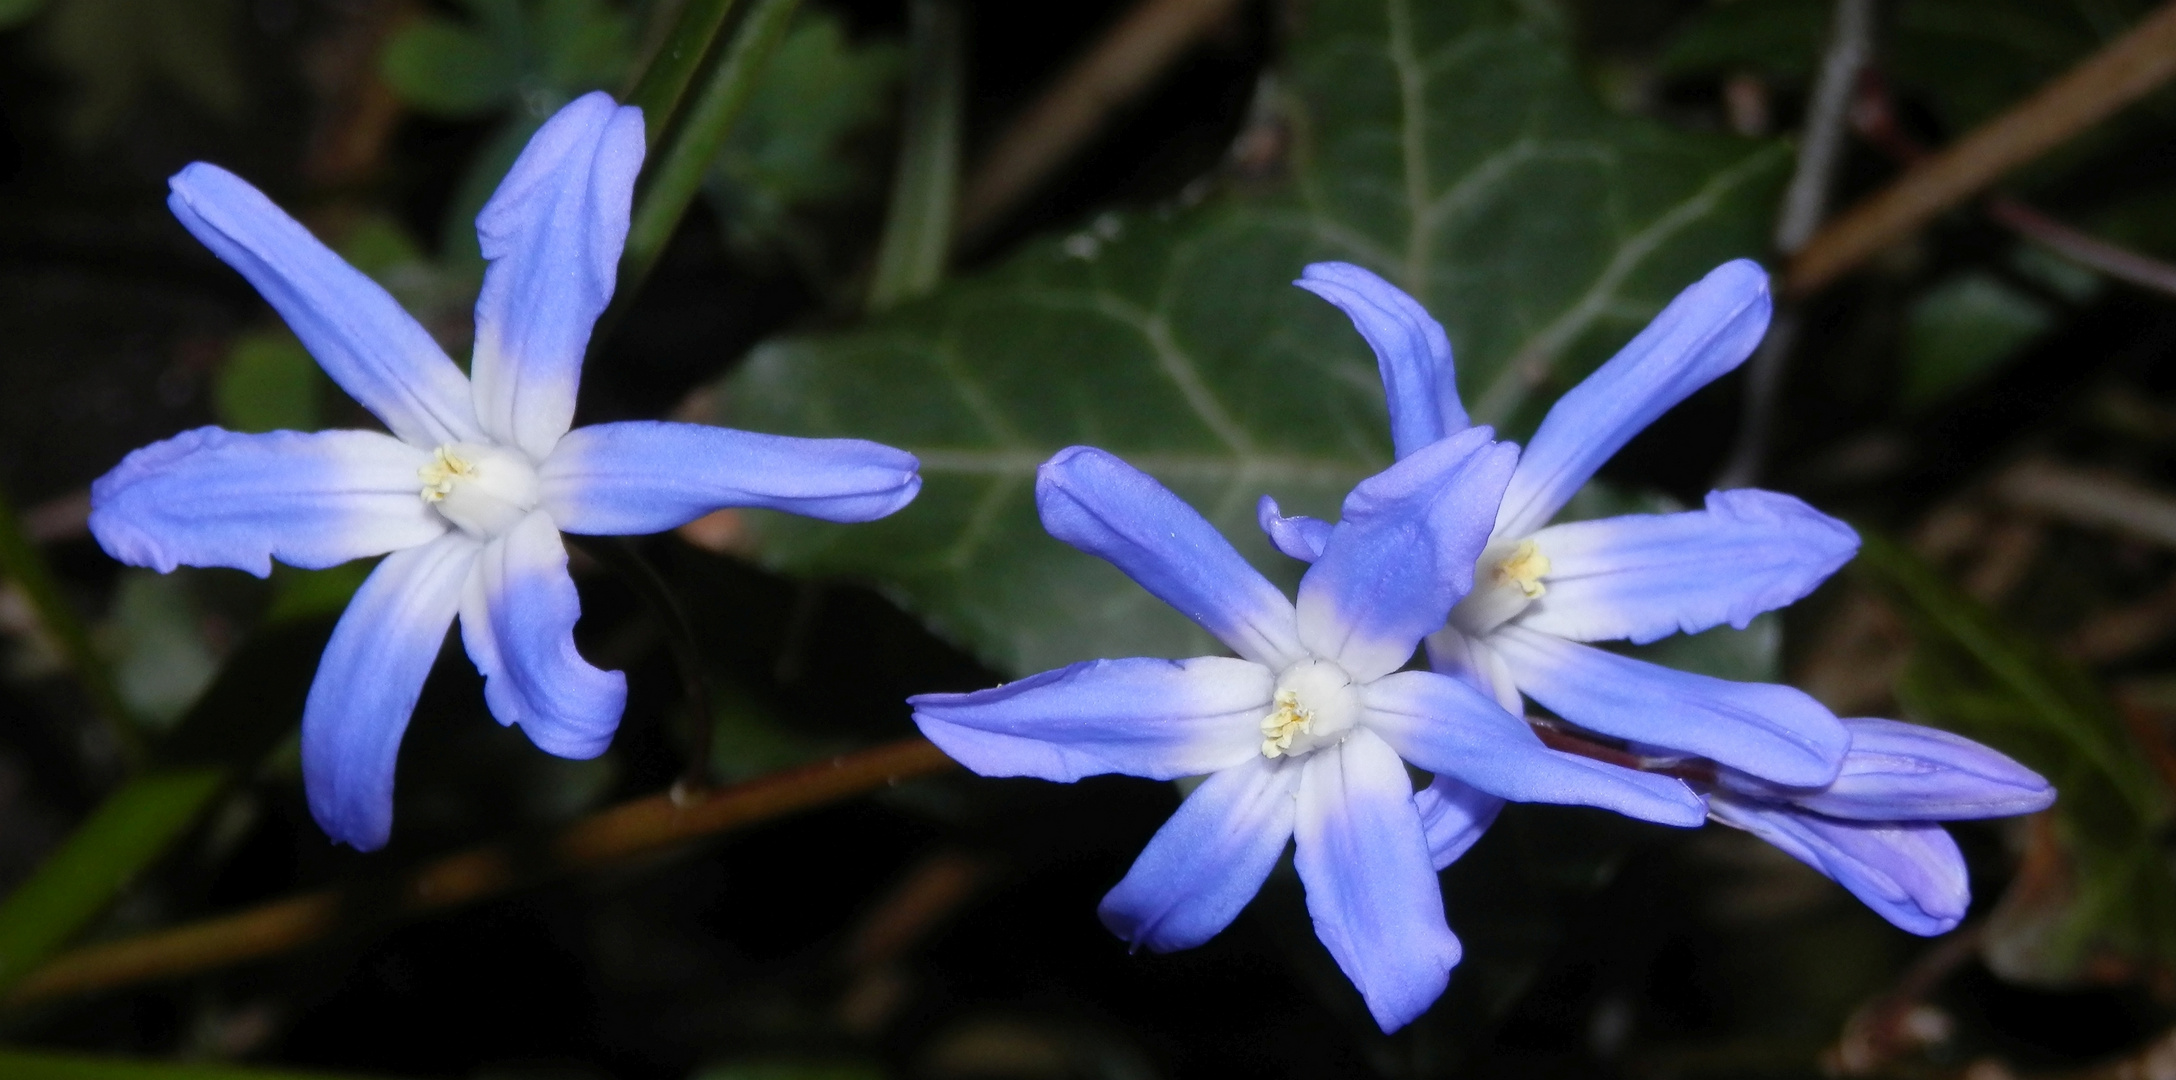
(480, 474)
(1302, 735)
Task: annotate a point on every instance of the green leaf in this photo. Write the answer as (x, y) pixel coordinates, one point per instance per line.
(18, 11)
(269, 383)
(442, 67)
(1754, 654)
(162, 660)
(115, 51)
(925, 188)
(1450, 146)
(41, 1065)
(1972, 673)
(540, 53)
(1961, 331)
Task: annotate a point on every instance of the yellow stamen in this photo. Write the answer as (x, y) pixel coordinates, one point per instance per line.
(1524, 567)
(439, 475)
(1286, 722)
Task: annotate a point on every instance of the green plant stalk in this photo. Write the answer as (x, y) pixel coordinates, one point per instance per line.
(21, 563)
(663, 82)
(133, 827)
(39, 1065)
(925, 191)
(678, 164)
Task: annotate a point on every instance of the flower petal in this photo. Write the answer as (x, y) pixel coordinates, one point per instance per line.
(1161, 719)
(379, 354)
(645, 476)
(517, 619)
(1202, 867)
(552, 232)
(1470, 660)
(1910, 873)
(1646, 576)
(1107, 508)
(1454, 815)
(1709, 329)
(1447, 727)
(367, 683)
(1411, 350)
(1771, 731)
(213, 497)
(1403, 553)
(1299, 536)
(1371, 885)
(1904, 772)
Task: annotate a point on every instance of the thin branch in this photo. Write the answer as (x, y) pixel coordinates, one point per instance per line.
(2088, 251)
(2121, 72)
(1123, 63)
(634, 828)
(2092, 499)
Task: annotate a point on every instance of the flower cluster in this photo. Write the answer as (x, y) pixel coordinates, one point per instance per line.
(1303, 737)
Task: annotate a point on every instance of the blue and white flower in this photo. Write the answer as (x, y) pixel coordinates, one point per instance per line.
(479, 475)
(1301, 735)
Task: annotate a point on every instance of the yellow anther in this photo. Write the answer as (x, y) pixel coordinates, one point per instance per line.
(1284, 723)
(1524, 567)
(438, 476)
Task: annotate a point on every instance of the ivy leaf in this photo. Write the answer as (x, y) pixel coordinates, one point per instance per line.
(1450, 146)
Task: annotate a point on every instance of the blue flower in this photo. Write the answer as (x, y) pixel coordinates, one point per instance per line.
(1874, 829)
(1856, 799)
(480, 474)
(1302, 735)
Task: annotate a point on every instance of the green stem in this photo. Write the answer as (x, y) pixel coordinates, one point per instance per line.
(663, 82)
(677, 168)
(925, 191)
(21, 562)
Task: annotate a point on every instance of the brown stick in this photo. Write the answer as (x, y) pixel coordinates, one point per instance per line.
(633, 828)
(2121, 72)
(1119, 66)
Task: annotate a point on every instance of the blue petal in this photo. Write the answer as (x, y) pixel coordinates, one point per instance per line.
(1143, 717)
(517, 619)
(645, 476)
(1910, 873)
(367, 684)
(1371, 885)
(1454, 815)
(1771, 731)
(1646, 576)
(355, 329)
(212, 497)
(1447, 727)
(1202, 867)
(1299, 536)
(1410, 347)
(553, 232)
(1904, 772)
(1709, 329)
(1470, 660)
(1107, 508)
(1403, 553)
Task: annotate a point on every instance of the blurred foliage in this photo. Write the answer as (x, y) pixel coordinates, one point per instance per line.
(27, 1065)
(2105, 905)
(118, 51)
(787, 155)
(1961, 330)
(1541, 230)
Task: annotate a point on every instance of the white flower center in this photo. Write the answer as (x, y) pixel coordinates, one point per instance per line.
(1505, 579)
(483, 490)
(1316, 705)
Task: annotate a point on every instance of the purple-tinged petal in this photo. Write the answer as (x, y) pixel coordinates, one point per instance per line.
(367, 684)
(517, 619)
(1910, 873)
(552, 232)
(1161, 719)
(213, 497)
(1646, 576)
(1299, 536)
(1771, 731)
(1411, 350)
(1107, 508)
(1202, 867)
(1371, 884)
(1403, 553)
(1447, 727)
(646, 476)
(1453, 652)
(1904, 772)
(380, 355)
(1453, 815)
(1709, 329)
